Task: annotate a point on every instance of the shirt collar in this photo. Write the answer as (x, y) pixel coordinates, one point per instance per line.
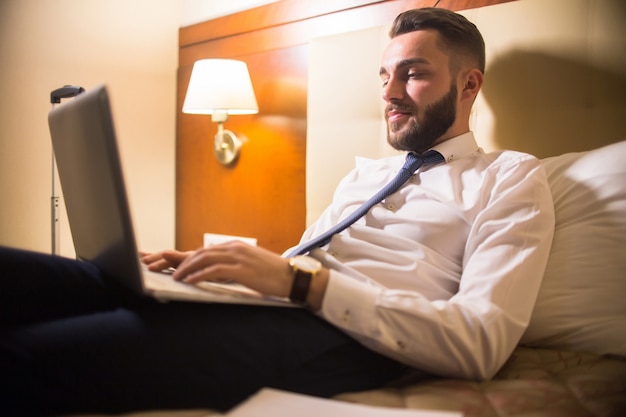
(457, 147)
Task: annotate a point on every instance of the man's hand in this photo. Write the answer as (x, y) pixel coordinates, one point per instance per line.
(160, 261)
(252, 266)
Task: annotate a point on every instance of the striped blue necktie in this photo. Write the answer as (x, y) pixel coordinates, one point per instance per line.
(412, 164)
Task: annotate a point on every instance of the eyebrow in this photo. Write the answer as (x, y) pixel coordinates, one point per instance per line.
(405, 63)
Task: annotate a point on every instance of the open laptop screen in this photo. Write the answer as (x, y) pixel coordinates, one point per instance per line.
(85, 147)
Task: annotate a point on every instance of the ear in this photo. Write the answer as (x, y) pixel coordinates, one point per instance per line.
(472, 82)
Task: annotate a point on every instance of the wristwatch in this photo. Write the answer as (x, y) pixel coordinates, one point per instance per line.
(304, 268)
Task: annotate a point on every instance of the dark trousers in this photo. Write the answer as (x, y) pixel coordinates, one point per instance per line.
(70, 341)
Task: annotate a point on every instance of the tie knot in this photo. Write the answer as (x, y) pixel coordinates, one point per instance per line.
(414, 161)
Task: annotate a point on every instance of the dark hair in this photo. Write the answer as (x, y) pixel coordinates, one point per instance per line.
(459, 36)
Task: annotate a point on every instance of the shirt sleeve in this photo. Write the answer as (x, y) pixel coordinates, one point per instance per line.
(471, 334)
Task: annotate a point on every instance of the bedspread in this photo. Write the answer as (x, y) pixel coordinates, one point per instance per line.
(534, 382)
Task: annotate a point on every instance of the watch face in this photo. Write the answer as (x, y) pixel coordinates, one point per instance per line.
(306, 263)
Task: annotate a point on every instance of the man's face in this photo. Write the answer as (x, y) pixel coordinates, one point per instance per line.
(420, 93)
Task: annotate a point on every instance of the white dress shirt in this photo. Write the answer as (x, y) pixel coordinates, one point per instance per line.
(443, 274)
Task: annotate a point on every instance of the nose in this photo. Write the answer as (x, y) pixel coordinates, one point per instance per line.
(392, 90)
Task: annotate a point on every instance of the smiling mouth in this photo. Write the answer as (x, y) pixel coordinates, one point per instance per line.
(395, 112)
(395, 116)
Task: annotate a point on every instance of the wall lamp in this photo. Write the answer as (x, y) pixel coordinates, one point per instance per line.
(221, 87)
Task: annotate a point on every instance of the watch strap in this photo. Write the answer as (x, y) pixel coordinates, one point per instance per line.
(300, 286)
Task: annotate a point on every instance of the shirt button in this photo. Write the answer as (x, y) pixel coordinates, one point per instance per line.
(346, 316)
(391, 206)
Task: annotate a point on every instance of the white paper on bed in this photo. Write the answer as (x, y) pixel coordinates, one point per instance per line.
(276, 403)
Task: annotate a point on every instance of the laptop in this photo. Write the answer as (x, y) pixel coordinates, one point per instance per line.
(90, 172)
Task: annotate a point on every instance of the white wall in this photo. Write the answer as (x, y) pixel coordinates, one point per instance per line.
(129, 45)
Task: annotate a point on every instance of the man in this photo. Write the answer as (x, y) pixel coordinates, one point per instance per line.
(441, 275)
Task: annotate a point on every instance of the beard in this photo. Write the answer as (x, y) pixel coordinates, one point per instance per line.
(418, 137)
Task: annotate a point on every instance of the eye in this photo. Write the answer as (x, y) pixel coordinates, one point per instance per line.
(385, 82)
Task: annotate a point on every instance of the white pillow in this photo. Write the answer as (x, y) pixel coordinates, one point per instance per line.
(582, 300)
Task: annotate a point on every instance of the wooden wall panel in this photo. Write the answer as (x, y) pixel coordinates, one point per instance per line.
(262, 17)
(263, 194)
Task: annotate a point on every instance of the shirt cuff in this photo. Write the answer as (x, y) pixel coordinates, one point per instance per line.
(350, 304)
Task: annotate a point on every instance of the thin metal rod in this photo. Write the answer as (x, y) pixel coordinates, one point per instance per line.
(54, 210)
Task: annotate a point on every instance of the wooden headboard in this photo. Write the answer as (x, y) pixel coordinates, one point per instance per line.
(263, 194)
